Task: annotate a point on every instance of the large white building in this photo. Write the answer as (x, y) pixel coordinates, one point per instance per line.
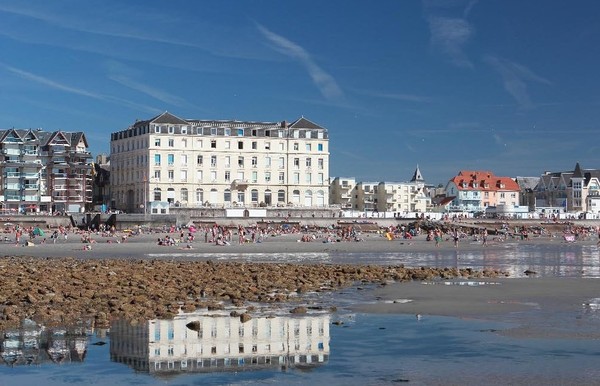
(167, 161)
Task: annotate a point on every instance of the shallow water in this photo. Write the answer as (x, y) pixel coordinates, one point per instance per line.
(547, 260)
(361, 349)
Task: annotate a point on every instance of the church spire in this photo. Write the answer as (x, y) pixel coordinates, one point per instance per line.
(417, 176)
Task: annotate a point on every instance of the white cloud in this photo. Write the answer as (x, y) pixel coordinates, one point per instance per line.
(450, 35)
(148, 90)
(324, 81)
(515, 77)
(73, 90)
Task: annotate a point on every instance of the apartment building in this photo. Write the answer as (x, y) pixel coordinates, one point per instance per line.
(342, 191)
(569, 191)
(169, 161)
(396, 197)
(44, 172)
(476, 190)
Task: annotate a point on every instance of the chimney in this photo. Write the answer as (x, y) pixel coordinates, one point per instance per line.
(284, 124)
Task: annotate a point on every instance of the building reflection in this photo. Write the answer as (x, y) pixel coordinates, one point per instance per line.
(210, 343)
(33, 344)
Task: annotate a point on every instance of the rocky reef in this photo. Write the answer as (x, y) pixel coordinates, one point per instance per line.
(59, 291)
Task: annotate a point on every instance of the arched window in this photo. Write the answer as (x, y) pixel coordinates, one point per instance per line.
(308, 198)
(268, 197)
(157, 194)
(296, 197)
(254, 196)
(184, 195)
(227, 195)
(320, 198)
(199, 196)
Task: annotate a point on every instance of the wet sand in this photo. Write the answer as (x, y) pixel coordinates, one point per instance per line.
(146, 245)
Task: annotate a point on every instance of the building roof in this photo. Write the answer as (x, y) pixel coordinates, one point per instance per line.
(482, 180)
(417, 176)
(304, 123)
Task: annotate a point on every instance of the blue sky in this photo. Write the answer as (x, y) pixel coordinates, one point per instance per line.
(509, 86)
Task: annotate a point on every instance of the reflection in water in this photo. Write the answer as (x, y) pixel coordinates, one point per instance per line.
(220, 343)
(33, 344)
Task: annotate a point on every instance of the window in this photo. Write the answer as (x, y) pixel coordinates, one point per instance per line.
(268, 162)
(320, 178)
(281, 146)
(308, 162)
(296, 178)
(199, 144)
(240, 176)
(157, 129)
(281, 177)
(171, 129)
(227, 132)
(157, 159)
(267, 176)
(254, 195)
(170, 159)
(227, 161)
(184, 129)
(157, 175)
(319, 147)
(213, 161)
(308, 178)
(267, 145)
(281, 162)
(199, 175)
(183, 174)
(296, 163)
(280, 133)
(254, 145)
(213, 131)
(240, 145)
(199, 196)
(157, 142)
(227, 195)
(254, 162)
(240, 132)
(171, 142)
(320, 163)
(227, 144)
(199, 160)
(171, 175)
(184, 195)
(157, 195)
(228, 176)
(308, 147)
(213, 144)
(296, 146)
(241, 162)
(241, 198)
(184, 159)
(213, 176)
(281, 196)
(254, 177)
(199, 131)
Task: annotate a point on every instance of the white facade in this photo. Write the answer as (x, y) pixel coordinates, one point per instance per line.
(169, 161)
(221, 343)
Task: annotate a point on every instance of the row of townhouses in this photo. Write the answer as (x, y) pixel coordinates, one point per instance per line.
(168, 161)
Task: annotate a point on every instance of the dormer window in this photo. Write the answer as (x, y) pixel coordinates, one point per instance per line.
(475, 184)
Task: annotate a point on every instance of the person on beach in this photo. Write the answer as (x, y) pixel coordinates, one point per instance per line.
(484, 237)
(456, 237)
